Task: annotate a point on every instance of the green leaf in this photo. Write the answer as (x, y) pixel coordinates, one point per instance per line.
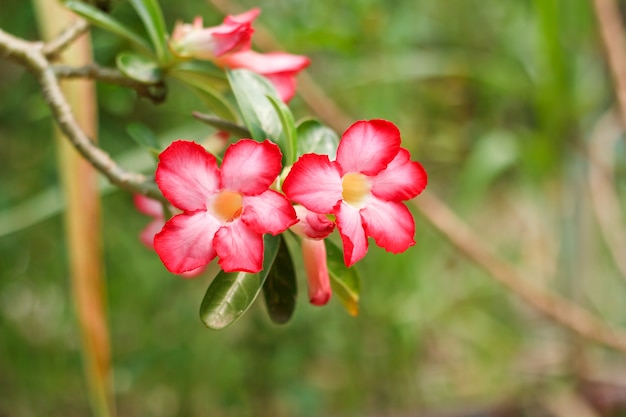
(103, 20)
(144, 136)
(289, 128)
(151, 15)
(203, 86)
(230, 294)
(314, 137)
(280, 289)
(344, 281)
(215, 75)
(258, 113)
(139, 68)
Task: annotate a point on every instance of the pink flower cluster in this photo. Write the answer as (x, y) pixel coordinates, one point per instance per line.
(228, 45)
(225, 211)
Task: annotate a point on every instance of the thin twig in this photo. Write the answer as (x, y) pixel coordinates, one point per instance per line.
(153, 92)
(560, 310)
(30, 55)
(53, 48)
(612, 35)
(221, 124)
(604, 199)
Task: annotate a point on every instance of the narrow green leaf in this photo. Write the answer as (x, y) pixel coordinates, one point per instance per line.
(151, 15)
(289, 128)
(144, 136)
(344, 281)
(258, 113)
(314, 137)
(230, 294)
(220, 124)
(139, 68)
(103, 20)
(203, 86)
(280, 289)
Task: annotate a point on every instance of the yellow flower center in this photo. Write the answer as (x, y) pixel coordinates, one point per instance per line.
(355, 188)
(227, 206)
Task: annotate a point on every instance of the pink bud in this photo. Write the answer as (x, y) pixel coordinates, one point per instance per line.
(195, 41)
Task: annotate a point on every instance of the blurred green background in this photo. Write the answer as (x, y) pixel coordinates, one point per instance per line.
(497, 99)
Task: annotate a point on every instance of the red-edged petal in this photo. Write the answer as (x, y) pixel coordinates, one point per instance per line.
(187, 174)
(390, 223)
(269, 212)
(312, 225)
(193, 273)
(250, 167)
(314, 256)
(352, 233)
(186, 241)
(239, 248)
(231, 36)
(315, 182)
(403, 179)
(148, 206)
(368, 146)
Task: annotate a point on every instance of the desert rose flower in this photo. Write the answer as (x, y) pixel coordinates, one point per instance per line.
(225, 210)
(364, 188)
(278, 67)
(196, 41)
(154, 209)
(313, 228)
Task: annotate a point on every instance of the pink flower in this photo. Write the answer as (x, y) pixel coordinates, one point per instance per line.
(225, 211)
(313, 228)
(195, 41)
(364, 188)
(280, 68)
(154, 209)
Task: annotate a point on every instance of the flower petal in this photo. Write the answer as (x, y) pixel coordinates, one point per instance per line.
(148, 206)
(194, 272)
(187, 174)
(314, 182)
(312, 225)
(285, 85)
(239, 248)
(186, 241)
(147, 234)
(271, 63)
(390, 223)
(314, 256)
(224, 41)
(352, 233)
(279, 68)
(269, 212)
(368, 146)
(403, 179)
(250, 167)
(245, 17)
